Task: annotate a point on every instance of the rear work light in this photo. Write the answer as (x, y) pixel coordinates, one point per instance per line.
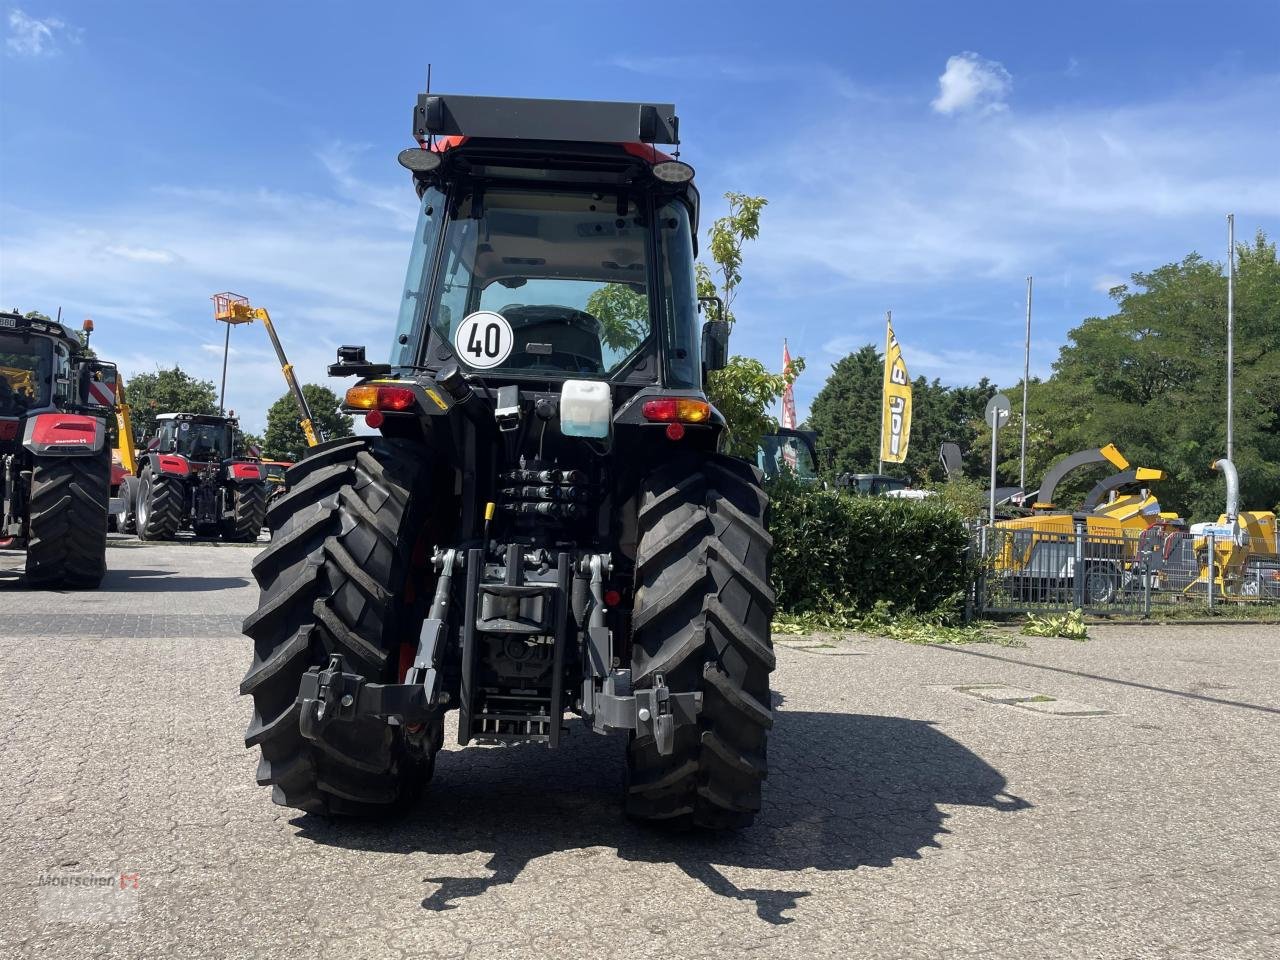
(676, 410)
(371, 396)
(673, 171)
(419, 160)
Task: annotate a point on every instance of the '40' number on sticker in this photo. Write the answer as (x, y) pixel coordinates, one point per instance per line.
(484, 339)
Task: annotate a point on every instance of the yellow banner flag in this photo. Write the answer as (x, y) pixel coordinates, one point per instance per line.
(895, 426)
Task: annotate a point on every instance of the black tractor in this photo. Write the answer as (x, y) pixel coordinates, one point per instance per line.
(191, 478)
(55, 463)
(545, 525)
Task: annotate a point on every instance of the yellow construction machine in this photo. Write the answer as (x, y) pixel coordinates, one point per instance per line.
(1238, 552)
(1038, 555)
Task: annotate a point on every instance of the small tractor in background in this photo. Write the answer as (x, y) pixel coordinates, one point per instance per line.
(191, 478)
(789, 449)
(277, 478)
(55, 468)
(544, 524)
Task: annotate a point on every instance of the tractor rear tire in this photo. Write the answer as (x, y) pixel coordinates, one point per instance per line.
(67, 530)
(160, 505)
(334, 580)
(249, 508)
(701, 622)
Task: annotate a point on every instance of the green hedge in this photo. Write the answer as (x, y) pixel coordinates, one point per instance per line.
(832, 549)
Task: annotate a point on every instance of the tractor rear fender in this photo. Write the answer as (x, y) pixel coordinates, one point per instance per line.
(173, 464)
(64, 435)
(246, 472)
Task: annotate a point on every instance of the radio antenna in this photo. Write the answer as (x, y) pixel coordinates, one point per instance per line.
(431, 137)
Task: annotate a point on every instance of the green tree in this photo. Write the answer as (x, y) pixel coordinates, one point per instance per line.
(846, 416)
(745, 390)
(1151, 379)
(284, 439)
(167, 391)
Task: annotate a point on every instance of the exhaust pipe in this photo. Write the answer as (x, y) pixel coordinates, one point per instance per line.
(1233, 487)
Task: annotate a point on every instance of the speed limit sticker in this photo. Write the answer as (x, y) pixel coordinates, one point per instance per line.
(484, 339)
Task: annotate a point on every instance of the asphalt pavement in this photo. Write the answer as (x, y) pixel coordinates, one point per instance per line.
(1106, 799)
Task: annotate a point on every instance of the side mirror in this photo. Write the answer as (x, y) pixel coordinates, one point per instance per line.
(715, 345)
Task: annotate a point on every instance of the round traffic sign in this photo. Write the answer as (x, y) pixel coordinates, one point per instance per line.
(998, 411)
(484, 339)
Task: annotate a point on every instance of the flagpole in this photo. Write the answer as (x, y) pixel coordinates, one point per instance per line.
(1026, 375)
(782, 400)
(888, 322)
(1231, 324)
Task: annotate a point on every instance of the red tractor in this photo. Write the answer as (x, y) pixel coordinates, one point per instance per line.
(191, 477)
(55, 466)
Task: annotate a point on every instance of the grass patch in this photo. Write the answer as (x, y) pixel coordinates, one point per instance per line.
(937, 626)
(1069, 625)
(1258, 612)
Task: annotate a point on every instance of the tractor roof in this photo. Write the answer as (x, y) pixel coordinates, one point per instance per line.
(48, 328)
(518, 118)
(519, 139)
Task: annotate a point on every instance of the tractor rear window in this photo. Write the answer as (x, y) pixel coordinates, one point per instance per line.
(26, 373)
(197, 441)
(567, 272)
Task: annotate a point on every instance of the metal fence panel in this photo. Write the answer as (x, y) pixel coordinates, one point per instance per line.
(1163, 567)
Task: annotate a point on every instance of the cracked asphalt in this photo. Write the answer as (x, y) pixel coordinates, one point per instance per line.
(903, 817)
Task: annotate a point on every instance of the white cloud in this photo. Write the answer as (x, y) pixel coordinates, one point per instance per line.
(873, 202)
(138, 254)
(339, 160)
(972, 83)
(329, 270)
(1106, 284)
(31, 37)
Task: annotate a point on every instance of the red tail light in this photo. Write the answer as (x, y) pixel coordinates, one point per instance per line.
(676, 410)
(370, 396)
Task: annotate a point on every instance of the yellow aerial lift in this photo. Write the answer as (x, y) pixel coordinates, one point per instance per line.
(231, 308)
(124, 427)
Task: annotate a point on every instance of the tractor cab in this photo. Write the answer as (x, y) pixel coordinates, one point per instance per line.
(199, 438)
(788, 450)
(540, 260)
(35, 365)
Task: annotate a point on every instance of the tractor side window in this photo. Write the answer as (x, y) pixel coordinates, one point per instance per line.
(455, 277)
(404, 348)
(680, 293)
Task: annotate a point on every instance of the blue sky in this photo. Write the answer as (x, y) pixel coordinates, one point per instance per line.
(923, 157)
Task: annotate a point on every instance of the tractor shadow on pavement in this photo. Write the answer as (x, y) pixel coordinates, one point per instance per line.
(165, 581)
(844, 791)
